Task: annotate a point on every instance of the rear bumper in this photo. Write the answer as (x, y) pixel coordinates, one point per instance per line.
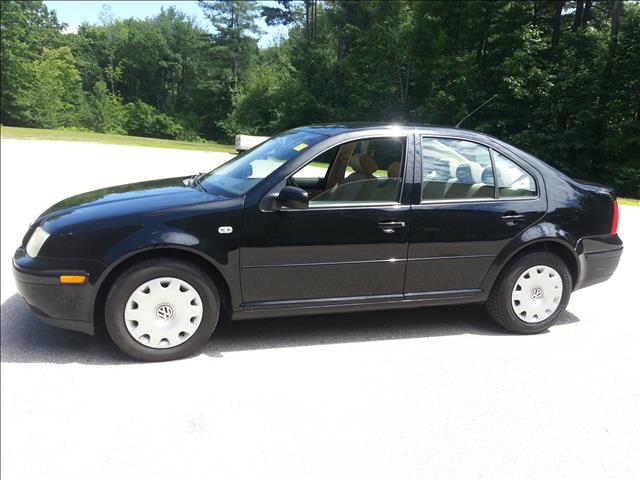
(63, 306)
(598, 257)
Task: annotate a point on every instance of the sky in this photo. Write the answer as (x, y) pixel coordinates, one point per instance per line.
(73, 13)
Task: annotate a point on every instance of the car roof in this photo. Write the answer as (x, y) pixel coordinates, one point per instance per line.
(331, 129)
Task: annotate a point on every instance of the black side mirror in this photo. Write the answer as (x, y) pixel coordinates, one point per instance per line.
(293, 197)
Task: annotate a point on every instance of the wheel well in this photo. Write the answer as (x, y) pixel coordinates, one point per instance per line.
(562, 251)
(172, 253)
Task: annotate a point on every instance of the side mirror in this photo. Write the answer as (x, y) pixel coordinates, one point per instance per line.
(293, 197)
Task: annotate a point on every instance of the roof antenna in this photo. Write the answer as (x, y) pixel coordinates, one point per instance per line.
(469, 114)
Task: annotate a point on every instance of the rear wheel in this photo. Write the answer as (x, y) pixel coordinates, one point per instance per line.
(531, 293)
(162, 309)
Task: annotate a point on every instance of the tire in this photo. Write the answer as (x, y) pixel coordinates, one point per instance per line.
(539, 293)
(162, 309)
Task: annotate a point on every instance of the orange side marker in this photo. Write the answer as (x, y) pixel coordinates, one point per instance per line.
(72, 278)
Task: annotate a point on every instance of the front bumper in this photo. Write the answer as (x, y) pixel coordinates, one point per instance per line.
(64, 306)
(598, 257)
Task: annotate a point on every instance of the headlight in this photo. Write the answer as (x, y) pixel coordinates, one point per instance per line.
(36, 241)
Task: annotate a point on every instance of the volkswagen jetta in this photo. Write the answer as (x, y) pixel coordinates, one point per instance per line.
(325, 218)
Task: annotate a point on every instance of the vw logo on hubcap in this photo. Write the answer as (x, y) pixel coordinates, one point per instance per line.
(164, 312)
(536, 293)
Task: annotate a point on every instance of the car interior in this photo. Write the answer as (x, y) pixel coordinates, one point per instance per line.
(454, 170)
(365, 171)
(370, 171)
(458, 169)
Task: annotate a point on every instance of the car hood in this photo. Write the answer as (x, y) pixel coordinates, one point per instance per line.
(122, 200)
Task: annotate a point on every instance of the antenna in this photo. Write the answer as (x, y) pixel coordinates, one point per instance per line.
(469, 114)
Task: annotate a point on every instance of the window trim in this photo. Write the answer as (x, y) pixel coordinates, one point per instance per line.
(398, 202)
(496, 197)
(495, 178)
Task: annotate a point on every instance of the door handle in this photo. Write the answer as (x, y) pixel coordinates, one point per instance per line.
(390, 227)
(512, 218)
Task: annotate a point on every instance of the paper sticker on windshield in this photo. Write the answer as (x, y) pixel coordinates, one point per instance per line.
(302, 146)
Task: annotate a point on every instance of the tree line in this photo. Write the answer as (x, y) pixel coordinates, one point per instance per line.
(566, 74)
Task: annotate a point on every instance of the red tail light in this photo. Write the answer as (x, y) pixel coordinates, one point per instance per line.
(614, 223)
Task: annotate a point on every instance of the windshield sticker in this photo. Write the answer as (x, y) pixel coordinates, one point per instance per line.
(302, 146)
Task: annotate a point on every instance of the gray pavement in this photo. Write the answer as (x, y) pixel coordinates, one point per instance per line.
(426, 393)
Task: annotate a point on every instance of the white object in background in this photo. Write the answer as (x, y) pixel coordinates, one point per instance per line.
(245, 142)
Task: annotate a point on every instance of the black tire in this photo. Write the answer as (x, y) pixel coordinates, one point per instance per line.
(499, 301)
(144, 271)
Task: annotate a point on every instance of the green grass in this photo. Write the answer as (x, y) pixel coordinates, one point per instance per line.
(92, 137)
(629, 201)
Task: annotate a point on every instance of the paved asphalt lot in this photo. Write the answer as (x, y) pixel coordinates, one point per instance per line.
(432, 393)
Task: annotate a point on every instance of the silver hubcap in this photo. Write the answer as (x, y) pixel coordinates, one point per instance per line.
(163, 312)
(537, 294)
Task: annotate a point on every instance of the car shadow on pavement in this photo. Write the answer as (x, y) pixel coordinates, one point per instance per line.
(25, 339)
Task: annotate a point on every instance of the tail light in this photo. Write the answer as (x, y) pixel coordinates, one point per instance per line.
(614, 223)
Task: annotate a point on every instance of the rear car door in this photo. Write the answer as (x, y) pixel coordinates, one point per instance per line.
(349, 246)
(472, 200)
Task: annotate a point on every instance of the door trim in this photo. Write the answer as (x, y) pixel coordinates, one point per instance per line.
(364, 299)
(256, 310)
(324, 301)
(462, 292)
(313, 264)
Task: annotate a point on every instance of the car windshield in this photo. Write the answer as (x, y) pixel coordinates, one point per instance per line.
(238, 175)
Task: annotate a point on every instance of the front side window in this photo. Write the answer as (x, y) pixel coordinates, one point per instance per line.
(319, 167)
(513, 181)
(241, 173)
(365, 171)
(455, 169)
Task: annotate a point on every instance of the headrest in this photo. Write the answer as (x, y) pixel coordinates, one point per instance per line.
(471, 172)
(487, 176)
(443, 167)
(463, 173)
(363, 163)
(394, 170)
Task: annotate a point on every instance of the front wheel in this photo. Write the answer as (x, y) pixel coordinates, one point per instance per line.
(162, 309)
(531, 293)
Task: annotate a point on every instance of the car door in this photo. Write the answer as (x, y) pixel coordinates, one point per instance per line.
(460, 220)
(349, 246)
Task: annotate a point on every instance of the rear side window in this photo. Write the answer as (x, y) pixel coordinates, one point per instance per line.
(455, 170)
(512, 180)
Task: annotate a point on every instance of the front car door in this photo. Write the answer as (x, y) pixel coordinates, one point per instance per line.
(463, 215)
(349, 246)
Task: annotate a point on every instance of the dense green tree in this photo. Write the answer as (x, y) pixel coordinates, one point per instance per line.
(144, 120)
(27, 28)
(53, 93)
(565, 73)
(103, 112)
(235, 24)
(167, 61)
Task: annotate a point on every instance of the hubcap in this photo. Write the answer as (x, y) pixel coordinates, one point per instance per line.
(163, 312)
(536, 294)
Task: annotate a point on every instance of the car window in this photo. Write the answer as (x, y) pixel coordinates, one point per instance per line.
(513, 181)
(319, 166)
(455, 169)
(373, 174)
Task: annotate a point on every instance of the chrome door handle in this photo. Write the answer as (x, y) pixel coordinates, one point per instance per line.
(512, 218)
(390, 227)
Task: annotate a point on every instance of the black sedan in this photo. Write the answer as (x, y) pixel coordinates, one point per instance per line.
(324, 218)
